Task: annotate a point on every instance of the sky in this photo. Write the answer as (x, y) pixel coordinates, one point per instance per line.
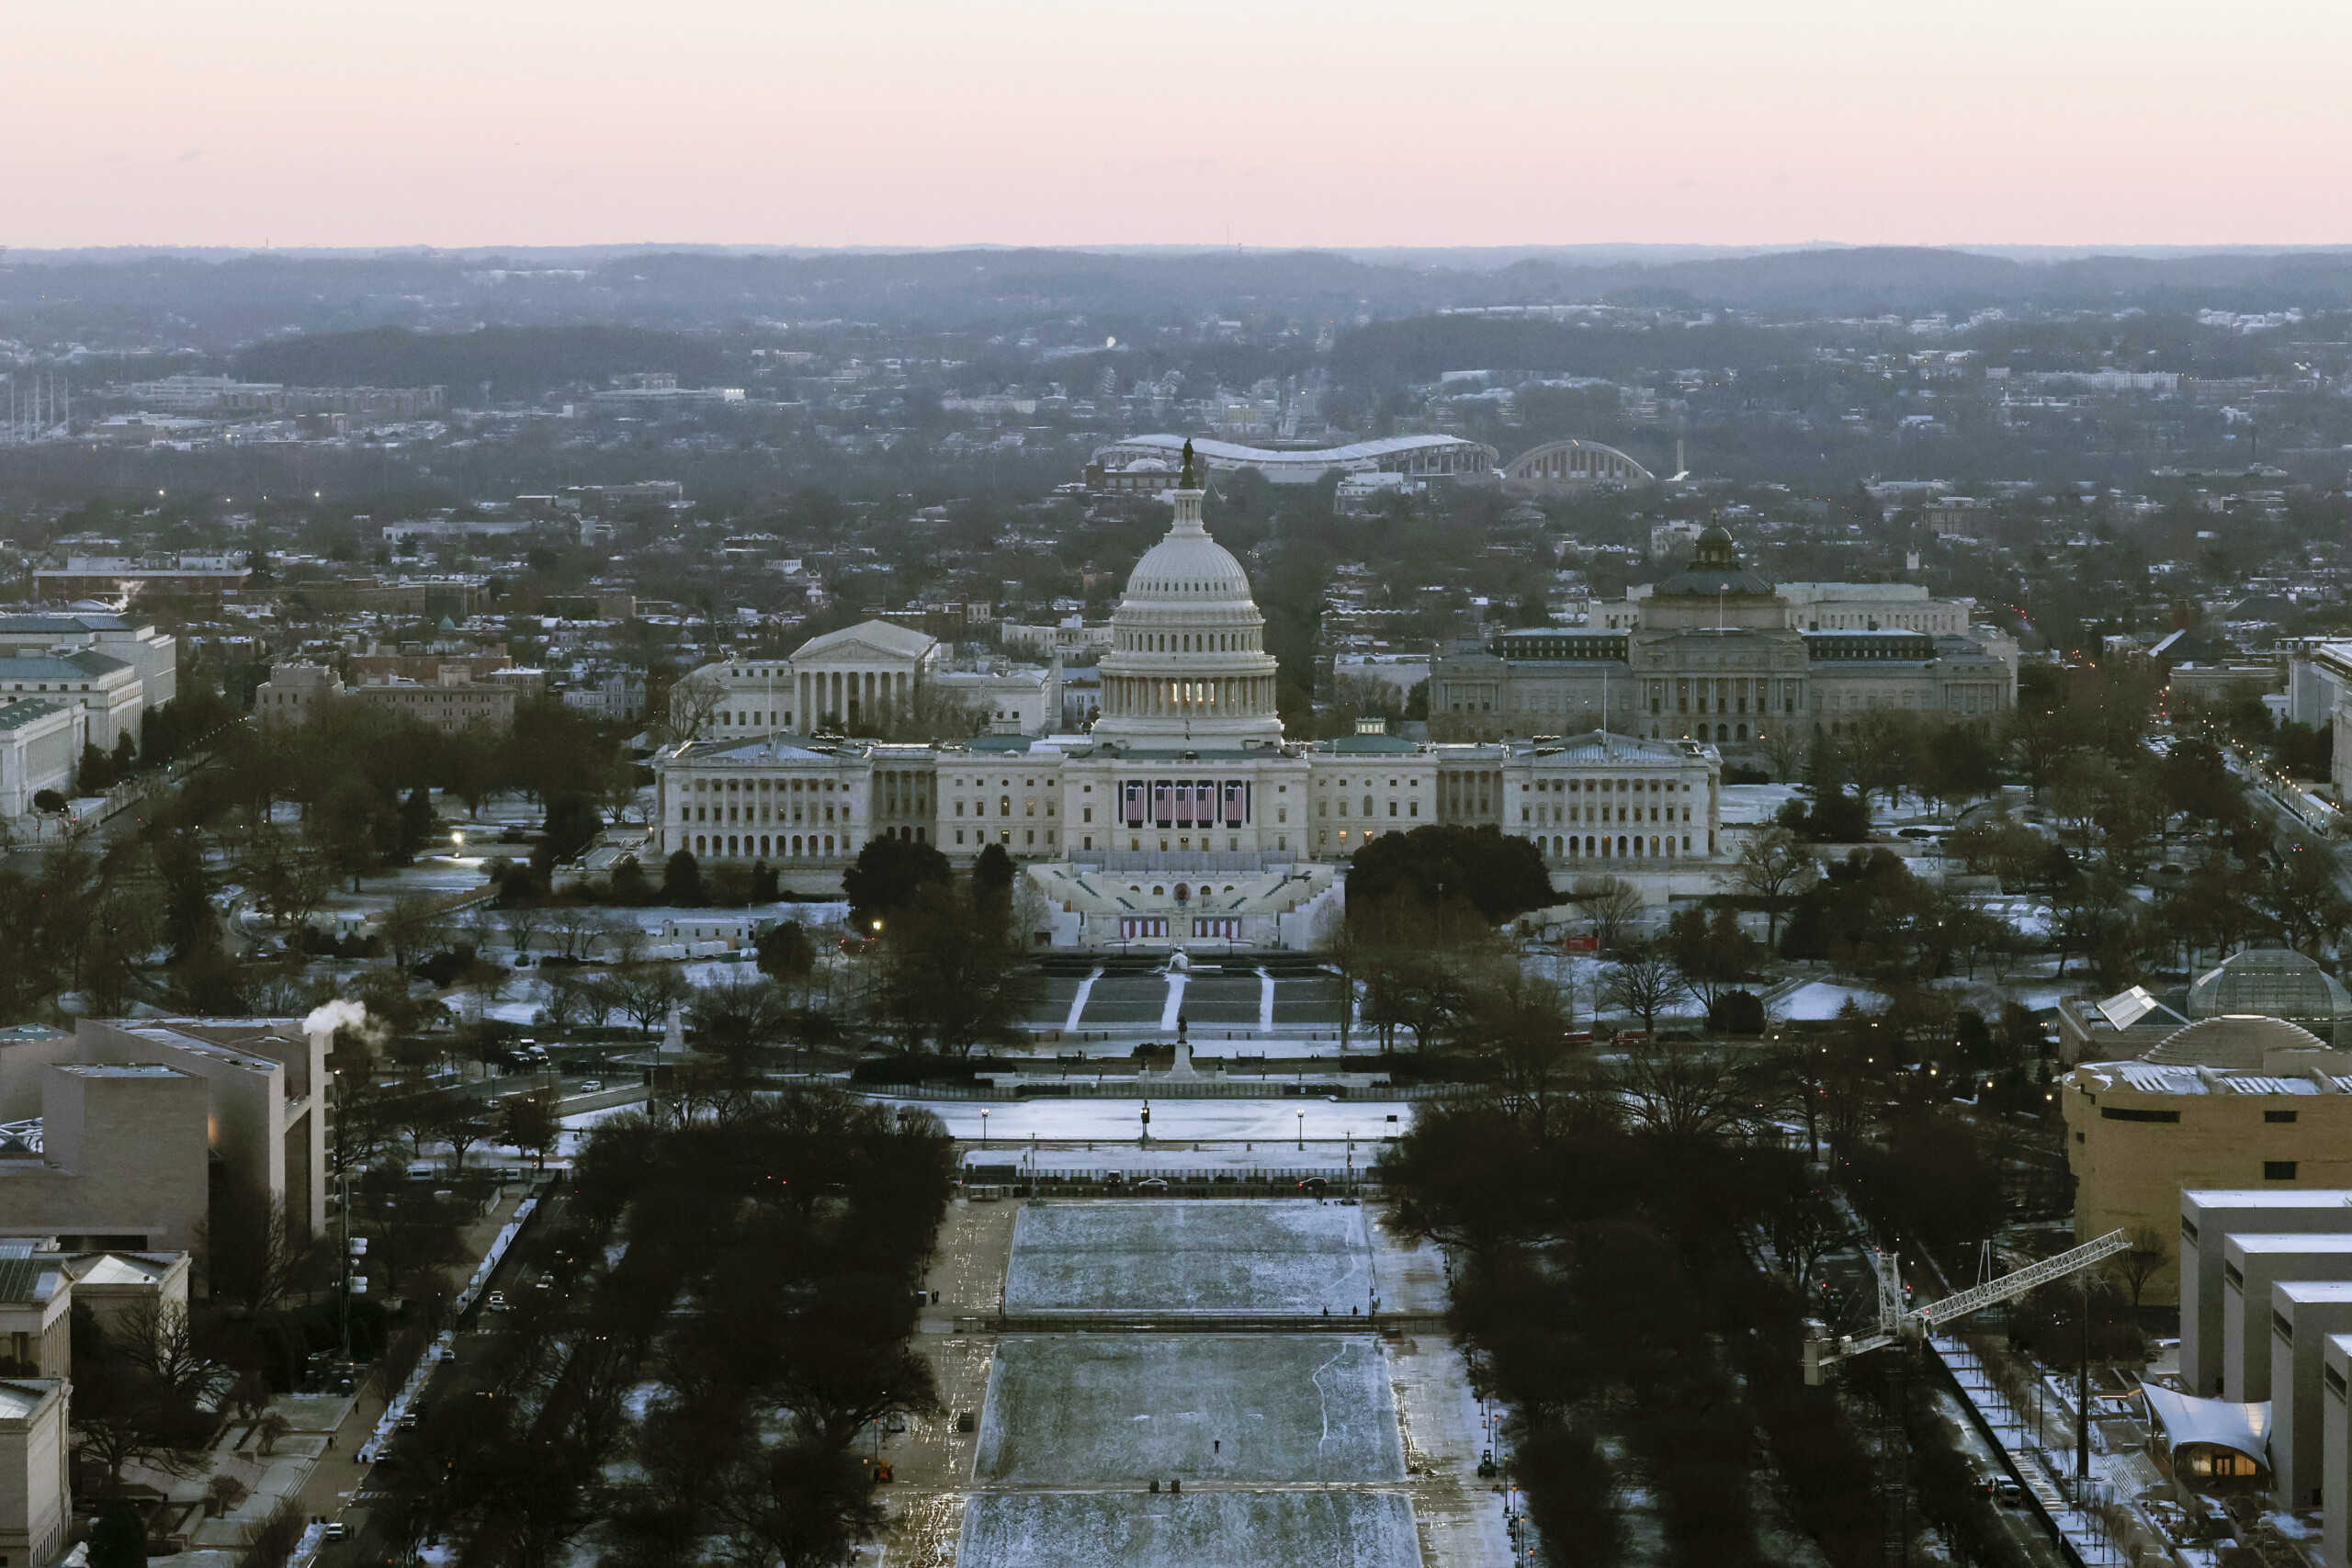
(1282, 122)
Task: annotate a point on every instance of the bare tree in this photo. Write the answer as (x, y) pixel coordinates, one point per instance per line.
(522, 925)
(646, 992)
(933, 713)
(1611, 904)
(2147, 1253)
(1684, 1093)
(256, 1254)
(413, 927)
(623, 939)
(1804, 1228)
(572, 930)
(694, 709)
(1773, 865)
(467, 1123)
(1641, 981)
(155, 1336)
(1784, 748)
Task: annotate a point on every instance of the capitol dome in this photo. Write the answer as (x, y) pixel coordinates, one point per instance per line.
(1188, 568)
(1187, 664)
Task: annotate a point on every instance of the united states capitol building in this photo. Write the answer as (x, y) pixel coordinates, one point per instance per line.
(1184, 817)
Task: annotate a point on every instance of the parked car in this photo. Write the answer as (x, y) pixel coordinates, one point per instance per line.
(1151, 1184)
(336, 1530)
(592, 1086)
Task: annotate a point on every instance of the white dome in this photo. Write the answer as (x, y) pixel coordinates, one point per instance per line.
(1188, 663)
(1187, 567)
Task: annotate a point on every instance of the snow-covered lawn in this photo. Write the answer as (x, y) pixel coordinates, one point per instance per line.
(1271, 1124)
(1288, 1408)
(1818, 1000)
(1191, 1529)
(1205, 1257)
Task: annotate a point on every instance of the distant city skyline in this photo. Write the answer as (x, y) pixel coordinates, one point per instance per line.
(913, 123)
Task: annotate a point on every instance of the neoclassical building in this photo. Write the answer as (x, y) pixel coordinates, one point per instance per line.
(863, 676)
(1185, 816)
(1716, 653)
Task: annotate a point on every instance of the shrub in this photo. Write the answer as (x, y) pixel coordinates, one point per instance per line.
(1736, 1012)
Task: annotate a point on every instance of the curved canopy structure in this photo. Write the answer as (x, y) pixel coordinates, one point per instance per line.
(2211, 1438)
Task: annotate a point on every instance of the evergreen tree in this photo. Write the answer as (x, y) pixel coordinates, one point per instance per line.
(681, 880)
(416, 822)
(95, 774)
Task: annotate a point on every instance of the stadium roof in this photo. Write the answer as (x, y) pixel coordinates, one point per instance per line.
(1229, 454)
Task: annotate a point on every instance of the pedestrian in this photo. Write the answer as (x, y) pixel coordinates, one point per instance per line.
(1217, 1445)
(330, 1440)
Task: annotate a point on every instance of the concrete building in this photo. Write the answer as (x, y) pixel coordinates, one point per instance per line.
(872, 677)
(1716, 653)
(125, 577)
(152, 654)
(117, 1285)
(294, 694)
(2335, 1451)
(2228, 1102)
(2303, 1315)
(150, 1113)
(40, 743)
(36, 1491)
(1397, 673)
(36, 1313)
(1070, 634)
(105, 688)
(2209, 1217)
(2252, 1263)
(122, 1160)
(453, 702)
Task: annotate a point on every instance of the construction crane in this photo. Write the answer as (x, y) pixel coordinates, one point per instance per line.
(1905, 1326)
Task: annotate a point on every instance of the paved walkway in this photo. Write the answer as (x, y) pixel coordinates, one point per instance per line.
(1459, 1518)
(313, 1461)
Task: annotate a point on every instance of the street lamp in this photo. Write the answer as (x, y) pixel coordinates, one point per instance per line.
(984, 1129)
(1302, 1132)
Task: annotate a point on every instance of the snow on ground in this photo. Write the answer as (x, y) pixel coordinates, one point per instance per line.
(1817, 1001)
(1115, 1122)
(1208, 1257)
(1319, 1155)
(1191, 1529)
(1255, 1408)
(1754, 805)
(572, 1141)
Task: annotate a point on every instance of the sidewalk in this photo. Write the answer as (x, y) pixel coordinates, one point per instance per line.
(313, 1461)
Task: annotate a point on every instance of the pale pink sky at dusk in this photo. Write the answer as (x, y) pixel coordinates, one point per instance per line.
(907, 122)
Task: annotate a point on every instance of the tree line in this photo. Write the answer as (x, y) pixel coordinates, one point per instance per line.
(798, 1227)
